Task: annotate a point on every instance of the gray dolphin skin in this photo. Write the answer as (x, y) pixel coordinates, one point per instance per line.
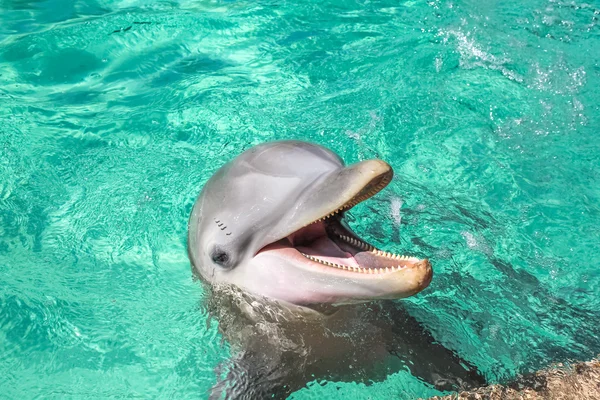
(297, 293)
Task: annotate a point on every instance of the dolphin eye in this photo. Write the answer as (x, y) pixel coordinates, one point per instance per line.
(220, 257)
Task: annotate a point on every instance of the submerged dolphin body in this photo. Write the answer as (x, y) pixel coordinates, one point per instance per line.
(294, 288)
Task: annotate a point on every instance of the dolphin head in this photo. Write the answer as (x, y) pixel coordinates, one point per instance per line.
(271, 222)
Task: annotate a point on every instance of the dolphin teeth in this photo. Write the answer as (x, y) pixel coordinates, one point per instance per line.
(360, 269)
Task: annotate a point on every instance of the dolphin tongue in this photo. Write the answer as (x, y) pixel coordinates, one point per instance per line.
(308, 234)
(325, 249)
(313, 241)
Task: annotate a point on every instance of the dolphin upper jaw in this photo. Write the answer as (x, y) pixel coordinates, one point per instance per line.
(331, 193)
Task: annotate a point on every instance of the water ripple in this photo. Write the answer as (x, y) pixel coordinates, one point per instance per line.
(113, 115)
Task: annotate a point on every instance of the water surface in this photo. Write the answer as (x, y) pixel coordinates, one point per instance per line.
(114, 113)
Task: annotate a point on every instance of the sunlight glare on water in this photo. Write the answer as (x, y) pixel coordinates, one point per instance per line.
(114, 113)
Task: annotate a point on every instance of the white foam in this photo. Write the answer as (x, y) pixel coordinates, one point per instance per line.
(395, 205)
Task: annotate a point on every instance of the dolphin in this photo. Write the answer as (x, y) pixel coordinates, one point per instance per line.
(297, 293)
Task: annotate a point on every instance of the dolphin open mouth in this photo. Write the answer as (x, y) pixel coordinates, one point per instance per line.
(329, 243)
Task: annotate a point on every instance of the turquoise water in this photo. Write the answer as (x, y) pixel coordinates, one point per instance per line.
(114, 113)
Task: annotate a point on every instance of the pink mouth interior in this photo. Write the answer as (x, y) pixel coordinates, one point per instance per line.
(329, 242)
(314, 241)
